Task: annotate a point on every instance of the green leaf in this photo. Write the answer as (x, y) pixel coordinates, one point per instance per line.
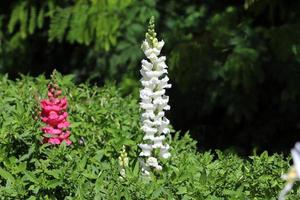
(6, 175)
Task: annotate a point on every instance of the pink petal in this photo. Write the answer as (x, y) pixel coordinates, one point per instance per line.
(63, 103)
(44, 119)
(50, 94)
(64, 124)
(68, 141)
(65, 135)
(55, 101)
(54, 119)
(51, 130)
(54, 141)
(53, 115)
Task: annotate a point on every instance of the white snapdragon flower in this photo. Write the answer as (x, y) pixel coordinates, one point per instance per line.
(154, 102)
(293, 174)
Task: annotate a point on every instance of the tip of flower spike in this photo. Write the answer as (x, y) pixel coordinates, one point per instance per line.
(53, 74)
(151, 26)
(151, 34)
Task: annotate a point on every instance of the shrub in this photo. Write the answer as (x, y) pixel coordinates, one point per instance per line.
(240, 65)
(102, 123)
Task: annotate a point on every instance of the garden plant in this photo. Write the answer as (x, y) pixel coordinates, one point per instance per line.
(61, 140)
(102, 123)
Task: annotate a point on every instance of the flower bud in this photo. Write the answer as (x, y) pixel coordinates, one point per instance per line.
(58, 92)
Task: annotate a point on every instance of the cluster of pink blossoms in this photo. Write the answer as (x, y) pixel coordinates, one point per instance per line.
(55, 116)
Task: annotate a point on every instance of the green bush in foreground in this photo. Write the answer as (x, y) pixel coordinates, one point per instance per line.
(102, 123)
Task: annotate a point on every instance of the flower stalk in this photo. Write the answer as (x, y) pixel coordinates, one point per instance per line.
(154, 102)
(123, 162)
(54, 115)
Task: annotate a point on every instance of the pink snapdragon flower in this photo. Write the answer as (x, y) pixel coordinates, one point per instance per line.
(55, 116)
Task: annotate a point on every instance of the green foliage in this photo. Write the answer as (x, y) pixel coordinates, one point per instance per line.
(245, 72)
(102, 122)
(239, 60)
(83, 22)
(97, 26)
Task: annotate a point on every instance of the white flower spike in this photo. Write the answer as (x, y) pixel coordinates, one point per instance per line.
(294, 173)
(154, 102)
(123, 162)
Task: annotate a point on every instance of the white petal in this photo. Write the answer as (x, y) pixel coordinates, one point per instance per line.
(146, 92)
(146, 149)
(151, 53)
(147, 106)
(154, 74)
(160, 114)
(152, 162)
(145, 172)
(158, 141)
(158, 93)
(164, 151)
(148, 136)
(296, 158)
(160, 45)
(151, 123)
(161, 101)
(149, 114)
(146, 65)
(285, 190)
(145, 45)
(161, 65)
(148, 129)
(161, 59)
(166, 130)
(167, 107)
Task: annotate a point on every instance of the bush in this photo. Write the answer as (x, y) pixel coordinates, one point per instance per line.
(239, 60)
(102, 122)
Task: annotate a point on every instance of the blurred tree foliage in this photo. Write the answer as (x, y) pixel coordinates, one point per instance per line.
(89, 37)
(234, 64)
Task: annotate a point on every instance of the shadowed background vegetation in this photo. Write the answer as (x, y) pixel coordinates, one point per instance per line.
(234, 65)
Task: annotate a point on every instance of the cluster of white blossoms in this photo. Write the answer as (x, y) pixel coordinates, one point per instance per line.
(293, 174)
(154, 102)
(123, 162)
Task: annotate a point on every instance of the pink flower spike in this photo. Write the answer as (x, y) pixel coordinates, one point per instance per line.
(55, 116)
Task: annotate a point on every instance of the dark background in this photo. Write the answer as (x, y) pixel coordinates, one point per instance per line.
(234, 65)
